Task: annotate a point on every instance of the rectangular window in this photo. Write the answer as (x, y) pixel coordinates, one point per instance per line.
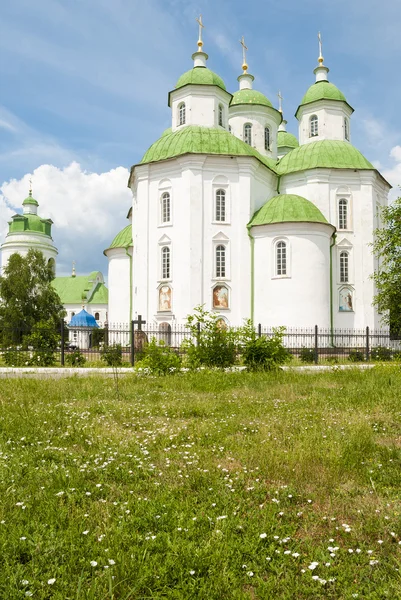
(220, 261)
(281, 259)
(165, 263)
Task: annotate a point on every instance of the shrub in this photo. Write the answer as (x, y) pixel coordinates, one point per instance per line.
(263, 353)
(44, 341)
(159, 359)
(356, 356)
(307, 355)
(112, 355)
(15, 357)
(75, 359)
(211, 345)
(381, 353)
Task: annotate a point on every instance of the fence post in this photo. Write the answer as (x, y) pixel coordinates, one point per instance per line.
(106, 334)
(62, 342)
(316, 346)
(132, 354)
(260, 330)
(367, 349)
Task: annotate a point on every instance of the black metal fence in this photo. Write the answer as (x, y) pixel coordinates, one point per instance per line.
(65, 345)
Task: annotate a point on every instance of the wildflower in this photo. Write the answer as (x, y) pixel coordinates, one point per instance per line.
(379, 541)
(192, 572)
(28, 593)
(51, 581)
(85, 532)
(373, 562)
(93, 563)
(250, 573)
(23, 538)
(295, 554)
(111, 561)
(24, 582)
(313, 565)
(263, 536)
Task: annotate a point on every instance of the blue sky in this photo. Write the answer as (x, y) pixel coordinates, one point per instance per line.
(84, 87)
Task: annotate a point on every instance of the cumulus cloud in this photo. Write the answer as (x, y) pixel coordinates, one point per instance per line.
(393, 174)
(87, 209)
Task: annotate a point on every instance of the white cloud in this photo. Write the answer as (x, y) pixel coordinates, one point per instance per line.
(393, 174)
(88, 210)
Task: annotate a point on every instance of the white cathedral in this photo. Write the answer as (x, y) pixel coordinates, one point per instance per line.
(232, 212)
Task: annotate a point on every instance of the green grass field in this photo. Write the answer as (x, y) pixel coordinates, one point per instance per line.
(208, 485)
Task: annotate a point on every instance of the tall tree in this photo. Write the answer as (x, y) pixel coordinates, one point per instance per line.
(387, 249)
(26, 293)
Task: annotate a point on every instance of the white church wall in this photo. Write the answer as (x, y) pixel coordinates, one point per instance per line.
(330, 114)
(22, 242)
(259, 117)
(201, 105)
(119, 286)
(302, 296)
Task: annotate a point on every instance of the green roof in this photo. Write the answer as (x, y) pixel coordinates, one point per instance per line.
(31, 201)
(322, 90)
(250, 97)
(200, 76)
(81, 289)
(201, 140)
(123, 239)
(30, 223)
(330, 154)
(287, 208)
(286, 139)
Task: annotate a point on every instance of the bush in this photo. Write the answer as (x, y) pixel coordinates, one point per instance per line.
(44, 341)
(356, 356)
(112, 355)
(381, 353)
(159, 359)
(211, 345)
(263, 353)
(15, 357)
(307, 355)
(75, 359)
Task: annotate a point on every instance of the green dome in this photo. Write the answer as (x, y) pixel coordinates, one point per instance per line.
(330, 154)
(200, 76)
(30, 201)
(30, 222)
(250, 97)
(193, 139)
(123, 239)
(287, 208)
(322, 90)
(286, 139)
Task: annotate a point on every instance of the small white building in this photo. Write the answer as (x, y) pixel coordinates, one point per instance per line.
(80, 330)
(89, 291)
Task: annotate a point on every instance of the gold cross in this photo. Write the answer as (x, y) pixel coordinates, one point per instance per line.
(201, 26)
(280, 101)
(320, 59)
(30, 186)
(244, 49)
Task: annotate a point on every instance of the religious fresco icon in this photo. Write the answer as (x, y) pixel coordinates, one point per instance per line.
(165, 298)
(220, 296)
(345, 303)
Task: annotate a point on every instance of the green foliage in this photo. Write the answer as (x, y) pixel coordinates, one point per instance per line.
(112, 355)
(211, 345)
(263, 353)
(75, 359)
(44, 341)
(15, 357)
(387, 249)
(98, 337)
(27, 296)
(381, 353)
(356, 356)
(307, 355)
(159, 359)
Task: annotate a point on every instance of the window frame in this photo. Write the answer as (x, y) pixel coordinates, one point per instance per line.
(248, 133)
(220, 194)
(181, 114)
(163, 210)
(346, 129)
(220, 262)
(343, 202)
(344, 266)
(313, 126)
(165, 263)
(268, 145)
(220, 115)
(275, 250)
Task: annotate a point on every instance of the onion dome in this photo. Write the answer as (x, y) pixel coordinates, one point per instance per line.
(330, 154)
(287, 208)
(286, 140)
(250, 96)
(83, 319)
(322, 90)
(200, 76)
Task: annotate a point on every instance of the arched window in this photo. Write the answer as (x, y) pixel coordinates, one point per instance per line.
(165, 208)
(281, 258)
(181, 114)
(221, 114)
(220, 261)
(166, 263)
(344, 263)
(346, 129)
(343, 214)
(248, 134)
(97, 316)
(313, 126)
(220, 214)
(267, 138)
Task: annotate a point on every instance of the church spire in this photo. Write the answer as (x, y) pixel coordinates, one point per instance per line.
(30, 205)
(321, 70)
(282, 126)
(199, 57)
